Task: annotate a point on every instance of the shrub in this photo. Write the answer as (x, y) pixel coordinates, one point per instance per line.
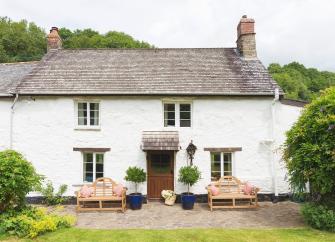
(18, 178)
(49, 195)
(189, 175)
(309, 150)
(318, 216)
(31, 222)
(136, 175)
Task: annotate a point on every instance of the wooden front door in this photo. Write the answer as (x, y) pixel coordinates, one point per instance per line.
(160, 172)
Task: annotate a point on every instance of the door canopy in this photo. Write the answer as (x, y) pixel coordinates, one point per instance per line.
(160, 140)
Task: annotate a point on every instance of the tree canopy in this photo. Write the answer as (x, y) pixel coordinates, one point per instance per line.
(309, 150)
(299, 82)
(20, 41)
(23, 41)
(88, 38)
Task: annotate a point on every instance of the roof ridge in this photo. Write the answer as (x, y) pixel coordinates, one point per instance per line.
(153, 49)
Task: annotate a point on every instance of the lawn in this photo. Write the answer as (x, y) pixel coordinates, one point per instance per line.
(75, 234)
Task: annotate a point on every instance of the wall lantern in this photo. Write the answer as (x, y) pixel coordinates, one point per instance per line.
(191, 148)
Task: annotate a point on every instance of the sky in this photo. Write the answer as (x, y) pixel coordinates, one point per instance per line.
(286, 30)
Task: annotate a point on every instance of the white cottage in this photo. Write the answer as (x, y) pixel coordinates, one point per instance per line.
(86, 113)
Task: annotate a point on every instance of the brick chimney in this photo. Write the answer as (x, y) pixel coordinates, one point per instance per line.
(246, 42)
(54, 40)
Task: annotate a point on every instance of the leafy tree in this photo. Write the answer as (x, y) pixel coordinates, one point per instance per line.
(309, 150)
(23, 41)
(18, 178)
(299, 82)
(20, 41)
(88, 38)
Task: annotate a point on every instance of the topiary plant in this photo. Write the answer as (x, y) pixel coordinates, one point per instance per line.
(189, 175)
(18, 178)
(309, 150)
(136, 175)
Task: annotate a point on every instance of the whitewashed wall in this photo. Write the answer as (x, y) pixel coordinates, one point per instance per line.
(5, 104)
(44, 132)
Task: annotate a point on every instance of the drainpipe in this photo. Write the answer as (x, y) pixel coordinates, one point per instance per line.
(11, 121)
(273, 133)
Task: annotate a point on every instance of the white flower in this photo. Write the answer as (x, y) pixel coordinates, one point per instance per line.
(168, 193)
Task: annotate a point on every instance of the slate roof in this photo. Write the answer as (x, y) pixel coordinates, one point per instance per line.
(11, 74)
(192, 71)
(160, 140)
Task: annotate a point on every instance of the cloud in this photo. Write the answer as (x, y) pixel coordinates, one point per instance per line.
(287, 30)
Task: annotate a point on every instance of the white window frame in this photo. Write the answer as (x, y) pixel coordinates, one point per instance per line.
(88, 126)
(94, 165)
(177, 113)
(222, 162)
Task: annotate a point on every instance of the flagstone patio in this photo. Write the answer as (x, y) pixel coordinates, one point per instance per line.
(156, 215)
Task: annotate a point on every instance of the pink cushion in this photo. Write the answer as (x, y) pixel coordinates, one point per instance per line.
(86, 191)
(118, 190)
(214, 190)
(247, 188)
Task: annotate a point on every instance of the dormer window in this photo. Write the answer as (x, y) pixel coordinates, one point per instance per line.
(177, 114)
(88, 114)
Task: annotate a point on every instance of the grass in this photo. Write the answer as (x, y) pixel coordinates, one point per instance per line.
(184, 235)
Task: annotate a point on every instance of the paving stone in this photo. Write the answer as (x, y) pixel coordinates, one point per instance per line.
(156, 215)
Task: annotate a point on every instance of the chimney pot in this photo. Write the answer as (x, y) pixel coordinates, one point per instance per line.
(246, 41)
(54, 40)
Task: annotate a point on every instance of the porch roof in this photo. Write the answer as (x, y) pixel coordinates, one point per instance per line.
(160, 140)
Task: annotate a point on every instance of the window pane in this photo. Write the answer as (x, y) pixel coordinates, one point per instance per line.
(88, 177)
(169, 107)
(215, 166)
(98, 174)
(185, 107)
(185, 115)
(94, 113)
(82, 113)
(99, 166)
(88, 167)
(169, 114)
(82, 121)
(227, 167)
(169, 122)
(94, 106)
(88, 157)
(82, 106)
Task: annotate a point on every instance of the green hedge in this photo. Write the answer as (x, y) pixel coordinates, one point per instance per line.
(319, 217)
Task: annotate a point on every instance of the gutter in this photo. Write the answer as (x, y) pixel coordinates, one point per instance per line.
(273, 139)
(11, 121)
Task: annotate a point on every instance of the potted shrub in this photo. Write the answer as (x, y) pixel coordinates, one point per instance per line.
(169, 196)
(188, 175)
(136, 175)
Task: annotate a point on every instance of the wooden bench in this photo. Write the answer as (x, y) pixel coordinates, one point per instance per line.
(102, 196)
(231, 194)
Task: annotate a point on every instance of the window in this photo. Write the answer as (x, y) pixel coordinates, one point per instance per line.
(88, 114)
(221, 165)
(93, 166)
(185, 115)
(169, 114)
(177, 115)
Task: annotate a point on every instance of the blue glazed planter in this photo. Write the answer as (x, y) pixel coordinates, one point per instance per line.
(187, 200)
(135, 201)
